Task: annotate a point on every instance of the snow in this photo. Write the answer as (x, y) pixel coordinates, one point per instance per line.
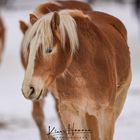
(15, 111)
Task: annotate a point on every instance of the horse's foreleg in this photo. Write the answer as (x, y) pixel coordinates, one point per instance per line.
(106, 123)
(92, 125)
(38, 116)
(73, 120)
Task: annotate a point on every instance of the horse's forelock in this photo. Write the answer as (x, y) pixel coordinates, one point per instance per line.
(41, 32)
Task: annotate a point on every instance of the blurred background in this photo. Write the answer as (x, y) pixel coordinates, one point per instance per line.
(15, 112)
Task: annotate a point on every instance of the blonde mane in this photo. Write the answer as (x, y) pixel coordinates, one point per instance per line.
(41, 34)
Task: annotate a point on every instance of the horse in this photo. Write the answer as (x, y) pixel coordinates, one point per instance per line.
(2, 38)
(84, 60)
(42, 9)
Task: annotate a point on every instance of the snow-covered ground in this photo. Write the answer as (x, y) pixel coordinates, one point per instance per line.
(15, 112)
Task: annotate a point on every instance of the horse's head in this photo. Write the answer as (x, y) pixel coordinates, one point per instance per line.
(48, 47)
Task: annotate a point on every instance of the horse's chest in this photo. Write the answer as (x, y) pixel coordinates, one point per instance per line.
(71, 87)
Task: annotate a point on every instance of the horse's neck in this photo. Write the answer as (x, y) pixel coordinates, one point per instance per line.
(90, 60)
(84, 56)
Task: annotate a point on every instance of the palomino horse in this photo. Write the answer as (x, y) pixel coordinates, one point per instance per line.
(83, 58)
(41, 10)
(2, 37)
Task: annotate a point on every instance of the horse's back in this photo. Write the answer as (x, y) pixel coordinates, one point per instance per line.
(76, 5)
(100, 18)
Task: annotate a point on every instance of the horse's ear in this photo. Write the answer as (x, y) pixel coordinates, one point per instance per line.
(33, 18)
(23, 26)
(55, 22)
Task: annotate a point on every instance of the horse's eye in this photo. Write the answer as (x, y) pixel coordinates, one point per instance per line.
(48, 50)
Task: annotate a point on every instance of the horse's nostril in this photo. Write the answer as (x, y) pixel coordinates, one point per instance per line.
(32, 91)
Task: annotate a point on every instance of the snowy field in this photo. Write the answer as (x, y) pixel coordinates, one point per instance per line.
(15, 112)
